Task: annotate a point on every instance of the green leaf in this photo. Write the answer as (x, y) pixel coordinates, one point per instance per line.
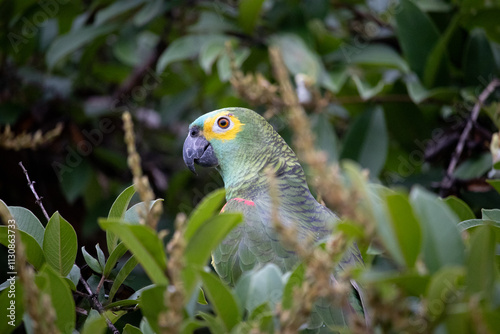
(493, 214)
(210, 52)
(326, 139)
(129, 329)
(181, 48)
(461, 209)
(222, 300)
(122, 275)
(100, 256)
(66, 44)
(467, 224)
(143, 242)
(260, 286)
(294, 281)
(12, 306)
(73, 183)
(495, 184)
(443, 289)
(152, 303)
(479, 59)
(208, 236)
(113, 258)
(132, 214)
(26, 221)
(406, 227)
(91, 261)
(74, 275)
(367, 141)
(149, 11)
(442, 241)
(380, 55)
(215, 325)
(297, 56)
(50, 282)
(417, 35)
(224, 66)
(116, 9)
(94, 324)
(249, 14)
(474, 167)
(60, 244)
(208, 207)
(118, 210)
(34, 253)
(481, 262)
(485, 18)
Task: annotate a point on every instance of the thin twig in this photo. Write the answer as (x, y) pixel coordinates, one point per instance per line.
(97, 304)
(31, 184)
(448, 180)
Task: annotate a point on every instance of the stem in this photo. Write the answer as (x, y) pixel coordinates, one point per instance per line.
(31, 184)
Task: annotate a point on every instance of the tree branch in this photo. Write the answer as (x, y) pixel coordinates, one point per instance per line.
(449, 179)
(97, 304)
(31, 184)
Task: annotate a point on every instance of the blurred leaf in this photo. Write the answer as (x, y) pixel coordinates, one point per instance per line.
(366, 89)
(442, 241)
(367, 141)
(100, 256)
(152, 303)
(261, 286)
(34, 253)
(486, 18)
(406, 227)
(481, 262)
(326, 139)
(49, 281)
(470, 223)
(479, 60)
(66, 44)
(94, 324)
(215, 325)
(298, 57)
(26, 221)
(132, 214)
(208, 236)
(149, 11)
(474, 167)
(60, 244)
(249, 14)
(115, 9)
(334, 80)
(461, 209)
(380, 55)
(74, 275)
(493, 214)
(143, 242)
(91, 261)
(207, 208)
(129, 329)
(495, 184)
(209, 54)
(294, 281)
(118, 210)
(74, 181)
(122, 275)
(417, 35)
(222, 300)
(224, 66)
(443, 290)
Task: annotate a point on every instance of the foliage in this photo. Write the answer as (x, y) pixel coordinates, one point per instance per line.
(389, 85)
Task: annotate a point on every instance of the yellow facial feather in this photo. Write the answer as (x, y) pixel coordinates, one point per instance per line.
(222, 134)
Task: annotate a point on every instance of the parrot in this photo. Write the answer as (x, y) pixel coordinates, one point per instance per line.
(243, 147)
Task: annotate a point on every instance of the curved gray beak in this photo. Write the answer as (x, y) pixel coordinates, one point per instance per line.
(198, 150)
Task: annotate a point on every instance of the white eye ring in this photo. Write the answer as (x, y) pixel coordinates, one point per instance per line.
(222, 124)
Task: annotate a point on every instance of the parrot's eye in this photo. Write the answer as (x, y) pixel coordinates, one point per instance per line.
(223, 122)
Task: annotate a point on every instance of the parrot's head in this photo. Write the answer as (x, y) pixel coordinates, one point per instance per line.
(225, 137)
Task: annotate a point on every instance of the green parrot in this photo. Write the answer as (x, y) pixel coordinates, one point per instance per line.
(242, 146)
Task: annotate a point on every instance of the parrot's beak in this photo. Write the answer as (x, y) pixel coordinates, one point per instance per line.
(198, 150)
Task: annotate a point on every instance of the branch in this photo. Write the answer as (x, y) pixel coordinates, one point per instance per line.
(448, 180)
(31, 184)
(97, 304)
